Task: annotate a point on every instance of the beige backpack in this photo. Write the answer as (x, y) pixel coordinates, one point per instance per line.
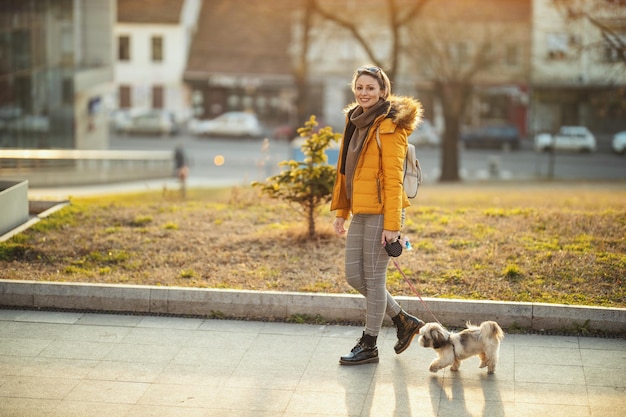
(412, 170)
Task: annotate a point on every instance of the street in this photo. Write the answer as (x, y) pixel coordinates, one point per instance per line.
(246, 160)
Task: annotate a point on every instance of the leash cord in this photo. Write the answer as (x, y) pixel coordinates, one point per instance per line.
(414, 290)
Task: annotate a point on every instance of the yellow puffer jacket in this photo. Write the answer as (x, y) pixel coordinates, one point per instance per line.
(377, 182)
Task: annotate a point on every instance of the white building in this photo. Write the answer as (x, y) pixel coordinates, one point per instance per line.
(575, 73)
(153, 39)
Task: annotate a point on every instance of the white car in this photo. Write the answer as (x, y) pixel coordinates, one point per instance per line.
(425, 135)
(240, 124)
(619, 142)
(152, 122)
(574, 138)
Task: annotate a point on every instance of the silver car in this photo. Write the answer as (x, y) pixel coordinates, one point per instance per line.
(155, 122)
(238, 124)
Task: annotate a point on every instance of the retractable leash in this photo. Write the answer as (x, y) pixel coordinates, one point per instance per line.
(410, 284)
(414, 290)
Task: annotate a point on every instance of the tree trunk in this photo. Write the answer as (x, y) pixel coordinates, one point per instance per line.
(450, 150)
(311, 215)
(454, 97)
(301, 68)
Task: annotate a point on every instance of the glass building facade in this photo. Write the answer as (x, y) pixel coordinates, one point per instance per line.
(55, 68)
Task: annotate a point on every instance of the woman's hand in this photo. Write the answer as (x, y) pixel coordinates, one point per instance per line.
(338, 225)
(389, 236)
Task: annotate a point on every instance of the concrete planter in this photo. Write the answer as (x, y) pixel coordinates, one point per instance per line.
(13, 205)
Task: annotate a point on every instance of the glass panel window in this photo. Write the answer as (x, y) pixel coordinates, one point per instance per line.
(68, 90)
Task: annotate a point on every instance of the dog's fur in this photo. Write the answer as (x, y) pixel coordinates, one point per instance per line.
(452, 348)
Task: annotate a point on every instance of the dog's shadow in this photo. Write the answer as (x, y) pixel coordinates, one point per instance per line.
(453, 401)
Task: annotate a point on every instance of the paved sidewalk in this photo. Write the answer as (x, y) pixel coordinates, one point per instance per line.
(83, 364)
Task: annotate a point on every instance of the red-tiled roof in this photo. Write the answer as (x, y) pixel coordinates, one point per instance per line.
(149, 11)
(242, 37)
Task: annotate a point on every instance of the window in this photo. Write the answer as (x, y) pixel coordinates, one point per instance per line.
(124, 48)
(157, 96)
(21, 49)
(157, 48)
(512, 55)
(67, 90)
(125, 98)
(615, 51)
(557, 45)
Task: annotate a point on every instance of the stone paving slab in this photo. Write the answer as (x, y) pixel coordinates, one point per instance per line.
(60, 364)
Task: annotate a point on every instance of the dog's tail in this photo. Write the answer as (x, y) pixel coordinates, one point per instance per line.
(492, 329)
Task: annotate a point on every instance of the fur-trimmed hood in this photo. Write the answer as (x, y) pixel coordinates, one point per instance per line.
(405, 112)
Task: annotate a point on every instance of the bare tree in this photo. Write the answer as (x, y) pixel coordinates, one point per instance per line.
(459, 47)
(452, 64)
(400, 14)
(301, 66)
(441, 55)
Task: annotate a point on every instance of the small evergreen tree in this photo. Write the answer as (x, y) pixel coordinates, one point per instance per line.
(309, 184)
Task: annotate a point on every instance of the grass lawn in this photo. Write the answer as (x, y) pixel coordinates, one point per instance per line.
(553, 243)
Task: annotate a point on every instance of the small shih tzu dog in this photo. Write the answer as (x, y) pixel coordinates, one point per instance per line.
(452, 348)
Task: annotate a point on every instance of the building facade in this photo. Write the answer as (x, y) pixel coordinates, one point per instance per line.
(55, 72)
(240, 59)
(539, 70)
(442, 42)
(153, 39)
(578, 77)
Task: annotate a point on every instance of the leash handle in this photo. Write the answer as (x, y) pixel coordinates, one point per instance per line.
(414, 290)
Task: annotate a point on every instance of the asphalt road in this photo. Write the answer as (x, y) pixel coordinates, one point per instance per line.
(243, 160)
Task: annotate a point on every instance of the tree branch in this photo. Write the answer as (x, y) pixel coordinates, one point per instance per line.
(351, 27)
(612, 37)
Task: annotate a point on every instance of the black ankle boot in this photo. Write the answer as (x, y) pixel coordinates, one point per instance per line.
(365, 351)
(408, 326)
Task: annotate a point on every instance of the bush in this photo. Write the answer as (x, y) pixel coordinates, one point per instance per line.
(309, 184)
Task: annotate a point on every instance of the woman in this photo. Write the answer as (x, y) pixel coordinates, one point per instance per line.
(369, 186)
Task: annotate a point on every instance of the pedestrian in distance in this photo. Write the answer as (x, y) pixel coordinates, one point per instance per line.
(181, 168)
(368, 187)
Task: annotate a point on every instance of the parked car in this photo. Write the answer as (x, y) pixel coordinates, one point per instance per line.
(284, 132)
(619, 142)
(425, 135)
(237, 124)
(573, 138)
(153, 122)
(502, 136)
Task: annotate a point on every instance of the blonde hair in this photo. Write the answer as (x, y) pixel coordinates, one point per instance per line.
(375, 72)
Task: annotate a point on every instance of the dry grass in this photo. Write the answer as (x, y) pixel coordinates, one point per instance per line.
(517, 242)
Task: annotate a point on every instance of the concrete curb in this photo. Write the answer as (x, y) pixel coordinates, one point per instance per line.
(282, 305)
